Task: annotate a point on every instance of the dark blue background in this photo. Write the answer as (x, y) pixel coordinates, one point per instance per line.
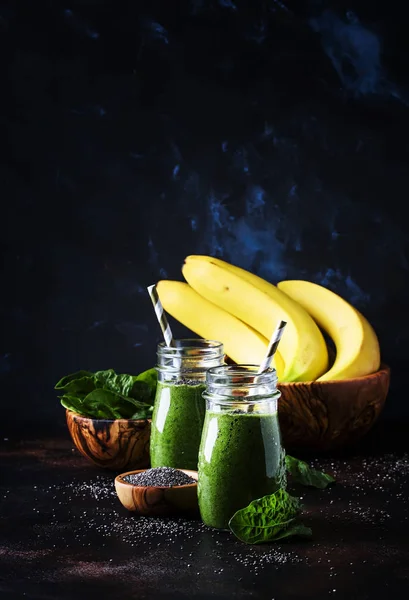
(272, 134)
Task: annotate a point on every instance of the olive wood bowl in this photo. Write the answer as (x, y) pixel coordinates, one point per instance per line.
(111, 444)
(325, 415)
(158, 501)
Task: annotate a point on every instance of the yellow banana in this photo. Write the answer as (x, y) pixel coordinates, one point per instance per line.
(357, 346)
(242, 344)
(261, 305)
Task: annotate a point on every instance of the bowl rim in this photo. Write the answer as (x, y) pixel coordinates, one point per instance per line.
(383, 368)
(78, 416)
(119, 480)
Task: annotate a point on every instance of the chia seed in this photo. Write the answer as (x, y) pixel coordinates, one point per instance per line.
(160, 477)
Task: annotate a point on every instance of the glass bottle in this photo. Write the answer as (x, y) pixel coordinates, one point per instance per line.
(179, 408)
(240, 457)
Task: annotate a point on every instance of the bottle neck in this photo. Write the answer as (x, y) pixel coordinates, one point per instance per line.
(189, 359)
(241, 388)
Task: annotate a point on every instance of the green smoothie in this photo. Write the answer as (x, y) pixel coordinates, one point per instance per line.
(177, 424)
(240, 459)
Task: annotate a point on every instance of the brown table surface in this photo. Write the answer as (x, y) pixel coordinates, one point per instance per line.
(64, 534)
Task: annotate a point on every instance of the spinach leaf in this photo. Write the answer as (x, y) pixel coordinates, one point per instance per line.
(109, 395)
(306, 475)
(91, 407)
(142, 392)
(139, 406)
(106, 404)
(126, 385)
(73, 403)
(111, 404)
(122, 384)
(81, 382)
(268, 519)
(145, 413)
(150, 377)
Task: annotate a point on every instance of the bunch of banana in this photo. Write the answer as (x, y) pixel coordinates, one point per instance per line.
(242, 343)
(222, 301)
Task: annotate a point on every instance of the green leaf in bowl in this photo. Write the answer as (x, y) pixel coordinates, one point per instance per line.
(81, 382)
(109, 395)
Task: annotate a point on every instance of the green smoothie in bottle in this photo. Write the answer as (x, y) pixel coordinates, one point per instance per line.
(179, 408)
(240, 456)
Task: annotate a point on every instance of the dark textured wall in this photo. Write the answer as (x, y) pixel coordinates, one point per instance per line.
(136, 133)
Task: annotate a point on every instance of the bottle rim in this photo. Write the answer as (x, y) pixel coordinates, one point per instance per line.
(191, 347)
(242, 375)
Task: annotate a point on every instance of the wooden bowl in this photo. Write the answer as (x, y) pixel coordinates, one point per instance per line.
(155, 501)
(325, 415)
(111, 444)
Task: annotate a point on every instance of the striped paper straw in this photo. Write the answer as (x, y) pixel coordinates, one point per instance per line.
(272, 347)
(160, 315)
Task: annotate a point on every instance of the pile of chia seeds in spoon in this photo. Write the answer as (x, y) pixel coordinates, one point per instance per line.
(159, 476)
